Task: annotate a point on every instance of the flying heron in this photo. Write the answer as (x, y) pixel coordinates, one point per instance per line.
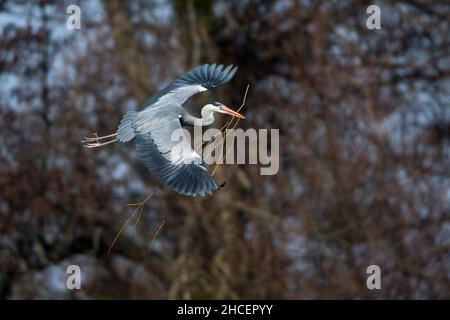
(152, 127)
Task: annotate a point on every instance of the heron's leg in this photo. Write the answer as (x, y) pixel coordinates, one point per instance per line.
(96, 144)
(97, 138)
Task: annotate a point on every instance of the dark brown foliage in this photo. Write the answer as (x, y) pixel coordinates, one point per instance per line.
(364, 143)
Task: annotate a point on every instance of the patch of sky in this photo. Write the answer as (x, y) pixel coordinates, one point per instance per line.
(94, 9)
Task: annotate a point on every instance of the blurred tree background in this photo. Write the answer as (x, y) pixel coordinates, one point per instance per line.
(364, 176)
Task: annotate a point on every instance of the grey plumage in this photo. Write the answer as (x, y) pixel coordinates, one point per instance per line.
(152, 128)
(125, 132)
(186, 176)
(199, 79)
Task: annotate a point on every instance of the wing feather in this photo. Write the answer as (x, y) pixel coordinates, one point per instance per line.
(182, 172)
(198, 79)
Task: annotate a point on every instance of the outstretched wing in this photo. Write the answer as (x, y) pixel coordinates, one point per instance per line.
(168, 155)
(199, 79)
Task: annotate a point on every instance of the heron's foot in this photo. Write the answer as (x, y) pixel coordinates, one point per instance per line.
(97, 144)
(95, 141)
(97, 138)
(91, 139)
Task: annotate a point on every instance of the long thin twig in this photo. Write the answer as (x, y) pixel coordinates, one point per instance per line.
(226, 132)
(158, 231)
(120, 232)
(139, 208)
(220, 131)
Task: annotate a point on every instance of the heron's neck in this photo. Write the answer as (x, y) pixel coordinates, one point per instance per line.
(207, 119)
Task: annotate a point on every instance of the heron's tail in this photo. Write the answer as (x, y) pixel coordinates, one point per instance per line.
(125, 132)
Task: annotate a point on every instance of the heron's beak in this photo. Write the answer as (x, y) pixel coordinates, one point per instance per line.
(233, 113)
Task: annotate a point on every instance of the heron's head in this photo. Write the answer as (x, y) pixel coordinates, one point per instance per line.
(219, 107)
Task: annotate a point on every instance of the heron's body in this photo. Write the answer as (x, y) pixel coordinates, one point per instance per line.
(152, 128)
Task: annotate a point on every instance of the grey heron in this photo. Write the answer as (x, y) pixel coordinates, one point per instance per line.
(152, 127)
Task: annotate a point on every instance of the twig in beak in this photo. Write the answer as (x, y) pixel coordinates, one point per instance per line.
(229, 124)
